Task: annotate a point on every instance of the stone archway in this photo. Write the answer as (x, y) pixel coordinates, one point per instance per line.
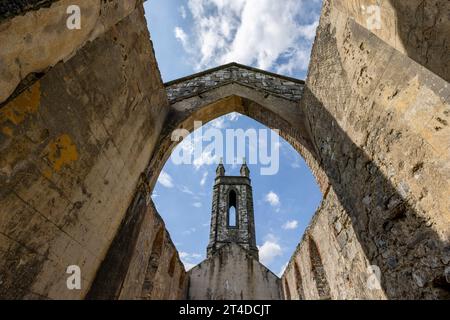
(243, 91)
(266, 97)
(79, 124)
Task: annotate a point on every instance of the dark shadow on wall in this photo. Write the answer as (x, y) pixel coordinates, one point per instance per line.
(320, 278)
(389, 229)
(111, 276)
(424, 28)
(12, 8)
(298, 281)
(392, 234)
(153, 263)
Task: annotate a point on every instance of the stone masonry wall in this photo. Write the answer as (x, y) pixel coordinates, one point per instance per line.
(379, 121)
(80, 120)
(232, 274)
(285, 87)
(9, 9)
(344, 264)
(142, 262)
(418, 29)
(155, 270)
(244, 232)
(73, 145)
(45, 31)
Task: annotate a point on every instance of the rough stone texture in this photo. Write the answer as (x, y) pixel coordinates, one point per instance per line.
(417, 28)
(380, 125)
(142, 262)
(232, 269)
(288, 88)
(329, 262)
(80, 121)
(232, 274)
(244, 232)
(73, 146)
(12, 8)
(270, 109)
(45, 31)
(156, 271)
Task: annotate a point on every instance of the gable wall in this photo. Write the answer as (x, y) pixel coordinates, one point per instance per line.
(232, 274)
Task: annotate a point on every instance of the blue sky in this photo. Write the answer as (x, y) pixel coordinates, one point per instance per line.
(193, 35)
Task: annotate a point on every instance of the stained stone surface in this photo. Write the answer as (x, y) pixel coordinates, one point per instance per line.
(11, 8)
(380, 123)
(285, 87)
(86, 123)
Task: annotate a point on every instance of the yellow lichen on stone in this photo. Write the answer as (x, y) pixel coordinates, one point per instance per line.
(7, 131)
(25, 104)
(62, 151)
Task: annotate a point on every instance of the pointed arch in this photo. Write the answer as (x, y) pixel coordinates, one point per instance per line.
(320, 277)
(298, 281)
(153, 263)
(287, 291)
(232, 209)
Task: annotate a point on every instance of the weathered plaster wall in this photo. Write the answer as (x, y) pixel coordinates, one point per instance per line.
(73, 145)
(232, 274)
(379, 121)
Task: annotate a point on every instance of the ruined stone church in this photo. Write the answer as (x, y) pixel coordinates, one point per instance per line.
(232, 270)
(86, 126)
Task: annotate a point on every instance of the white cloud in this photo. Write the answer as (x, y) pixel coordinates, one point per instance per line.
(273, 199)
(219, 123)
(295, 164)
(188, 265)
(181, 36)
(182, 11)
(154, 195)
(265, 33)
(290, 225)
(189, 231)
(165, 179)
(197, 204)
(233, 116)
(269, 250)
(190, 260)
(203, 180)
(204, 159)
(185, 189)
(183, 254)
(189, 256)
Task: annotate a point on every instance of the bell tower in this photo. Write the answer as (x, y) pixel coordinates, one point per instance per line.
(232, 218)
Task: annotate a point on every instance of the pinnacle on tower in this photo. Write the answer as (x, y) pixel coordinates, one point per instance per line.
(232, 216)
(245, 171)
(220, 171)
